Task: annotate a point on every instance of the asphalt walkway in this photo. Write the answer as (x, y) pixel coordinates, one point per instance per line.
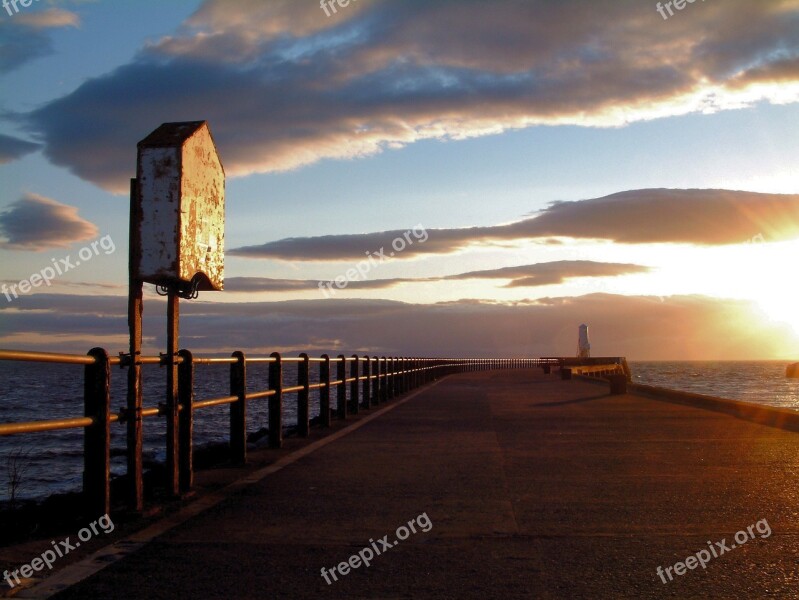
(529, 487)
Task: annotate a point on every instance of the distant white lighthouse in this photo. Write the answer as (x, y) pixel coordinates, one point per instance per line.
(583, 345)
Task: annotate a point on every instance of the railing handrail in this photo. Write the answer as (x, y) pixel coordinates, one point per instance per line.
(14, 428)
(83, 359)
(359, 382)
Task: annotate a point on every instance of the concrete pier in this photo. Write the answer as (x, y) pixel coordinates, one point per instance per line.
(536, 487)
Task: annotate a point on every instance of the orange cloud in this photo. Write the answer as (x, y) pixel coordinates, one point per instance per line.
(46, 19)
(535, 275)
(702, 217)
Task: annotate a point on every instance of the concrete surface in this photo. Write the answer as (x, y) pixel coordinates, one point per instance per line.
(536, 488)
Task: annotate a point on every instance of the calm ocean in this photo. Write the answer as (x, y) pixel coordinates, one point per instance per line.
(52, 462)
(760, 382)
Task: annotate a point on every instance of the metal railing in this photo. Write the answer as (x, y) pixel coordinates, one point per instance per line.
(359, 383)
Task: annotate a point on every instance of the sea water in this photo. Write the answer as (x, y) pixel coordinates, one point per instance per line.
(52, 462)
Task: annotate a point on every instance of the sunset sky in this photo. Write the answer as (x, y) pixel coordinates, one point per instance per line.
(547, 164)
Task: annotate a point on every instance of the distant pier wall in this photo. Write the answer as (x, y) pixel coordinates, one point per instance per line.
(772, 416)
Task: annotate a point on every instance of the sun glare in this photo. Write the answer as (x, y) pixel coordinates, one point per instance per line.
(781, 308)
(775, 289)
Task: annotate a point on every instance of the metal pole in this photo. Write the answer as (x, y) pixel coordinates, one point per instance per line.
(186, 430)
(341, 393)
(238, 410)
(386, 381)
(392, 377)
(324, 393)
(172, 403)
(367, 382)
(135, 488)
(379, 380)
(97, 438)
(354, 386)
(276, 402)
(303, 396)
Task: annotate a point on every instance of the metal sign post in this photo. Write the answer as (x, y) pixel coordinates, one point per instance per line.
(135, 494)
(177, 224)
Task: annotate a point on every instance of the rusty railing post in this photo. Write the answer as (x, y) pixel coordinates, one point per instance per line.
(381, 379)
(133, 416)
(380, 390)
(378, 382)
(186, 398)
(391, 377)
(387, 375)
(376, 388)
(303, 396)
(386, 389)
(276, 402)
(238, 410)
(367, 382)
(341, 388)
(324, 392)
(386, 378)
(376, 385)
(354, 384)
(97, 437)
(172, 404)
(398, 369)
